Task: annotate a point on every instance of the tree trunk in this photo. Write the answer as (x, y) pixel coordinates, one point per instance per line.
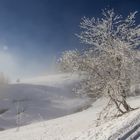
(117, 104)
(126, 106)
(118, 107)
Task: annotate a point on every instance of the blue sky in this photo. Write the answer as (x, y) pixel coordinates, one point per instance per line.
(33, 33)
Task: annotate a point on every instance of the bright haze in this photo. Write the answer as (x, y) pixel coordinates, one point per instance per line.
(34, 33)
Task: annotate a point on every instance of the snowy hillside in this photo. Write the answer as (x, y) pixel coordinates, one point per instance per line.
(35, 101)
(38, 99)
(79, 126)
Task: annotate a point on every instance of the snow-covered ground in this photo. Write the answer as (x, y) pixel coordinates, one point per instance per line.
(78, 126)
(38, 99)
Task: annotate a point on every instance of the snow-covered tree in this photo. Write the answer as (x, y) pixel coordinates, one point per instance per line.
(109, 60)
(68, 63)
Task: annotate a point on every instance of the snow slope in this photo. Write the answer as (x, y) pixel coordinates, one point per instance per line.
(38, 99)
(79, 126)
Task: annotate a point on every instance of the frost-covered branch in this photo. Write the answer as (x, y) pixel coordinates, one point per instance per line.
(109, 62)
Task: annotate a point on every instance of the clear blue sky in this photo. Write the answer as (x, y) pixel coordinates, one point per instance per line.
(34, 32)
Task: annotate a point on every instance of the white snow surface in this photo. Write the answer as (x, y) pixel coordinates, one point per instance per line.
(78, 126)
